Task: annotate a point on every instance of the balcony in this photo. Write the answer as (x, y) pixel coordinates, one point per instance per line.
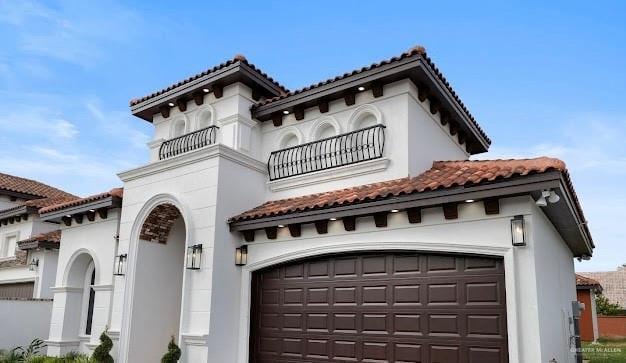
(188, 142)
(345, 149)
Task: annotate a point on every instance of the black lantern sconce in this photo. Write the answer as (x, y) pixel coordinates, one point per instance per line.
(120, 265)
(33, 265)
(241, 255)
(518, 231)
(194, 256)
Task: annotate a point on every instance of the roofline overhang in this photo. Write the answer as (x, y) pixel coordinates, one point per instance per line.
(236, 72)
(413, 67)
(57, 215)
(596, 288)
(561, 215)
(17, 211)
(20, 195)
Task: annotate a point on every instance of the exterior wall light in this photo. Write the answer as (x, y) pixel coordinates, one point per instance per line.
(194, 256)
(241, 255)
(120, 265)
(33, 265)
(518, 233)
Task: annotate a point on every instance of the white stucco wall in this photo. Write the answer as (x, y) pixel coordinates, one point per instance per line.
(31, 316)
(556, 286)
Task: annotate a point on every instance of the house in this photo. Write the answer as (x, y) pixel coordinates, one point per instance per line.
(586, 291)
(613, 284)
(28, 245)
(341, 221)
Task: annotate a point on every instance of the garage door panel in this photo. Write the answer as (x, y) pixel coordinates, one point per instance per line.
(394, 307)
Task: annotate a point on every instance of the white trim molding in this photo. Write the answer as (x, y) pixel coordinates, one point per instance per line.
(194, 339)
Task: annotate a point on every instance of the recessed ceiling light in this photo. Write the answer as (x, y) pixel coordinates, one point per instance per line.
(395, 210)
(470, 201)
(69, 216)
(285, 112)
(333, 219)
(205, 90)
(171, 104)
(361, 89)
(281, 226)
(92, 210)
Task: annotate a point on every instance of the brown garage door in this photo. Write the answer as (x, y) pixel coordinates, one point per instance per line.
(20, 290)
(392, 307)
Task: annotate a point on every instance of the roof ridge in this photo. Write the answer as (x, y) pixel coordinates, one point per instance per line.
(115, 192)
(18, 180)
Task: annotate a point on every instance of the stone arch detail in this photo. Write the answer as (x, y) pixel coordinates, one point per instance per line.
(288, 133)
(321, 123)
(158, 224)
(362, 111)
(77, 264)
(201, 116)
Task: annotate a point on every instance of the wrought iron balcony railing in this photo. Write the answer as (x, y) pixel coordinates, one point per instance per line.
(345, 149)
(188, 142)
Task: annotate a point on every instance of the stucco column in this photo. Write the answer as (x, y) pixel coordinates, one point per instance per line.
(65, 321)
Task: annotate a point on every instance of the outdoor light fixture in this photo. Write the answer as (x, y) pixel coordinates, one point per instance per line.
(547, 196)
(34, 263)
(205, 90)
(120, 265)
(470, 201)
(517, 231)
(194, 256)
(394, 210)
(285, 112)
(241, 255)
(171, 104)
(361, 89)
(333, 219)
(281, 226)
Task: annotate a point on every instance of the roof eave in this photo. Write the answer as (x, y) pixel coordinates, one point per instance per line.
(17, 211)
(238, 71)
(57, 215)
(34, 245)
(560, 214)
(413, 67)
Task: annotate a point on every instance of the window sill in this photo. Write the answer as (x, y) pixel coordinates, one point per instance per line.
(342, 172)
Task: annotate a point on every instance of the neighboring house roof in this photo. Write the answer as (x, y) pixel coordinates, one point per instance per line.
(43, 240)
(613, 284)
(584, 283)
(443, 174)
(30, 187)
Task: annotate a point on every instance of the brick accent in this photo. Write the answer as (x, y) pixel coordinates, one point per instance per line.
(612, 326)
(21, 259)
(157, 226)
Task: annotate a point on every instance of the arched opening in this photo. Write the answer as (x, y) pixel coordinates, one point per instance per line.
(80, 300)
(179, 128)
(365, 120)
(158, 284)
(289, 140)
(205, 119)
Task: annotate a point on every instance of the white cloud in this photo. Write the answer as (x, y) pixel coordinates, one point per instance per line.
(73, 31)
(64, 129)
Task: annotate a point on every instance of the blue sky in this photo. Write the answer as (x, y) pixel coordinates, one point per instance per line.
(544, 78)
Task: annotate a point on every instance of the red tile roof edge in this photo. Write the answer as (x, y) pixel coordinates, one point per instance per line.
(115, 192)
(443, 175)
(235, 59)
(52, 236)
(417, 50)
(32, 187)
(586, 281)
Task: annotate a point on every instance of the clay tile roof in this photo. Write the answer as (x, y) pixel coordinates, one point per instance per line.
(417, 50)
(27, 186)
(443, 174)
(235, 59)
(116, 192)
(584, 281)
(48, 240)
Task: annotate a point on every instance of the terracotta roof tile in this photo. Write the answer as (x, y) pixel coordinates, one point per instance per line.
(417, 50)
(27, 186)
(235, 59)
(443, 174)
(585, 281)
(116, 192)
(48, 239)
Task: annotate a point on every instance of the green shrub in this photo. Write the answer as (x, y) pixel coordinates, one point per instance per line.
(101, 353)
(173, 353)
(605, 307)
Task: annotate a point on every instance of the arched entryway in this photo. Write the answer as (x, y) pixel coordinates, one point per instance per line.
(158, 283)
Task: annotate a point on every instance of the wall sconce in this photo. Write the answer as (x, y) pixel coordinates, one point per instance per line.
(120, 265)
(194, 256)
(518, 233)
(33, 265)
(241, 255)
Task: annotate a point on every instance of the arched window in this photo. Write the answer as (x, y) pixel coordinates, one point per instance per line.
(90, 303)
(366, 120)
(365, 116)
(289, 140)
